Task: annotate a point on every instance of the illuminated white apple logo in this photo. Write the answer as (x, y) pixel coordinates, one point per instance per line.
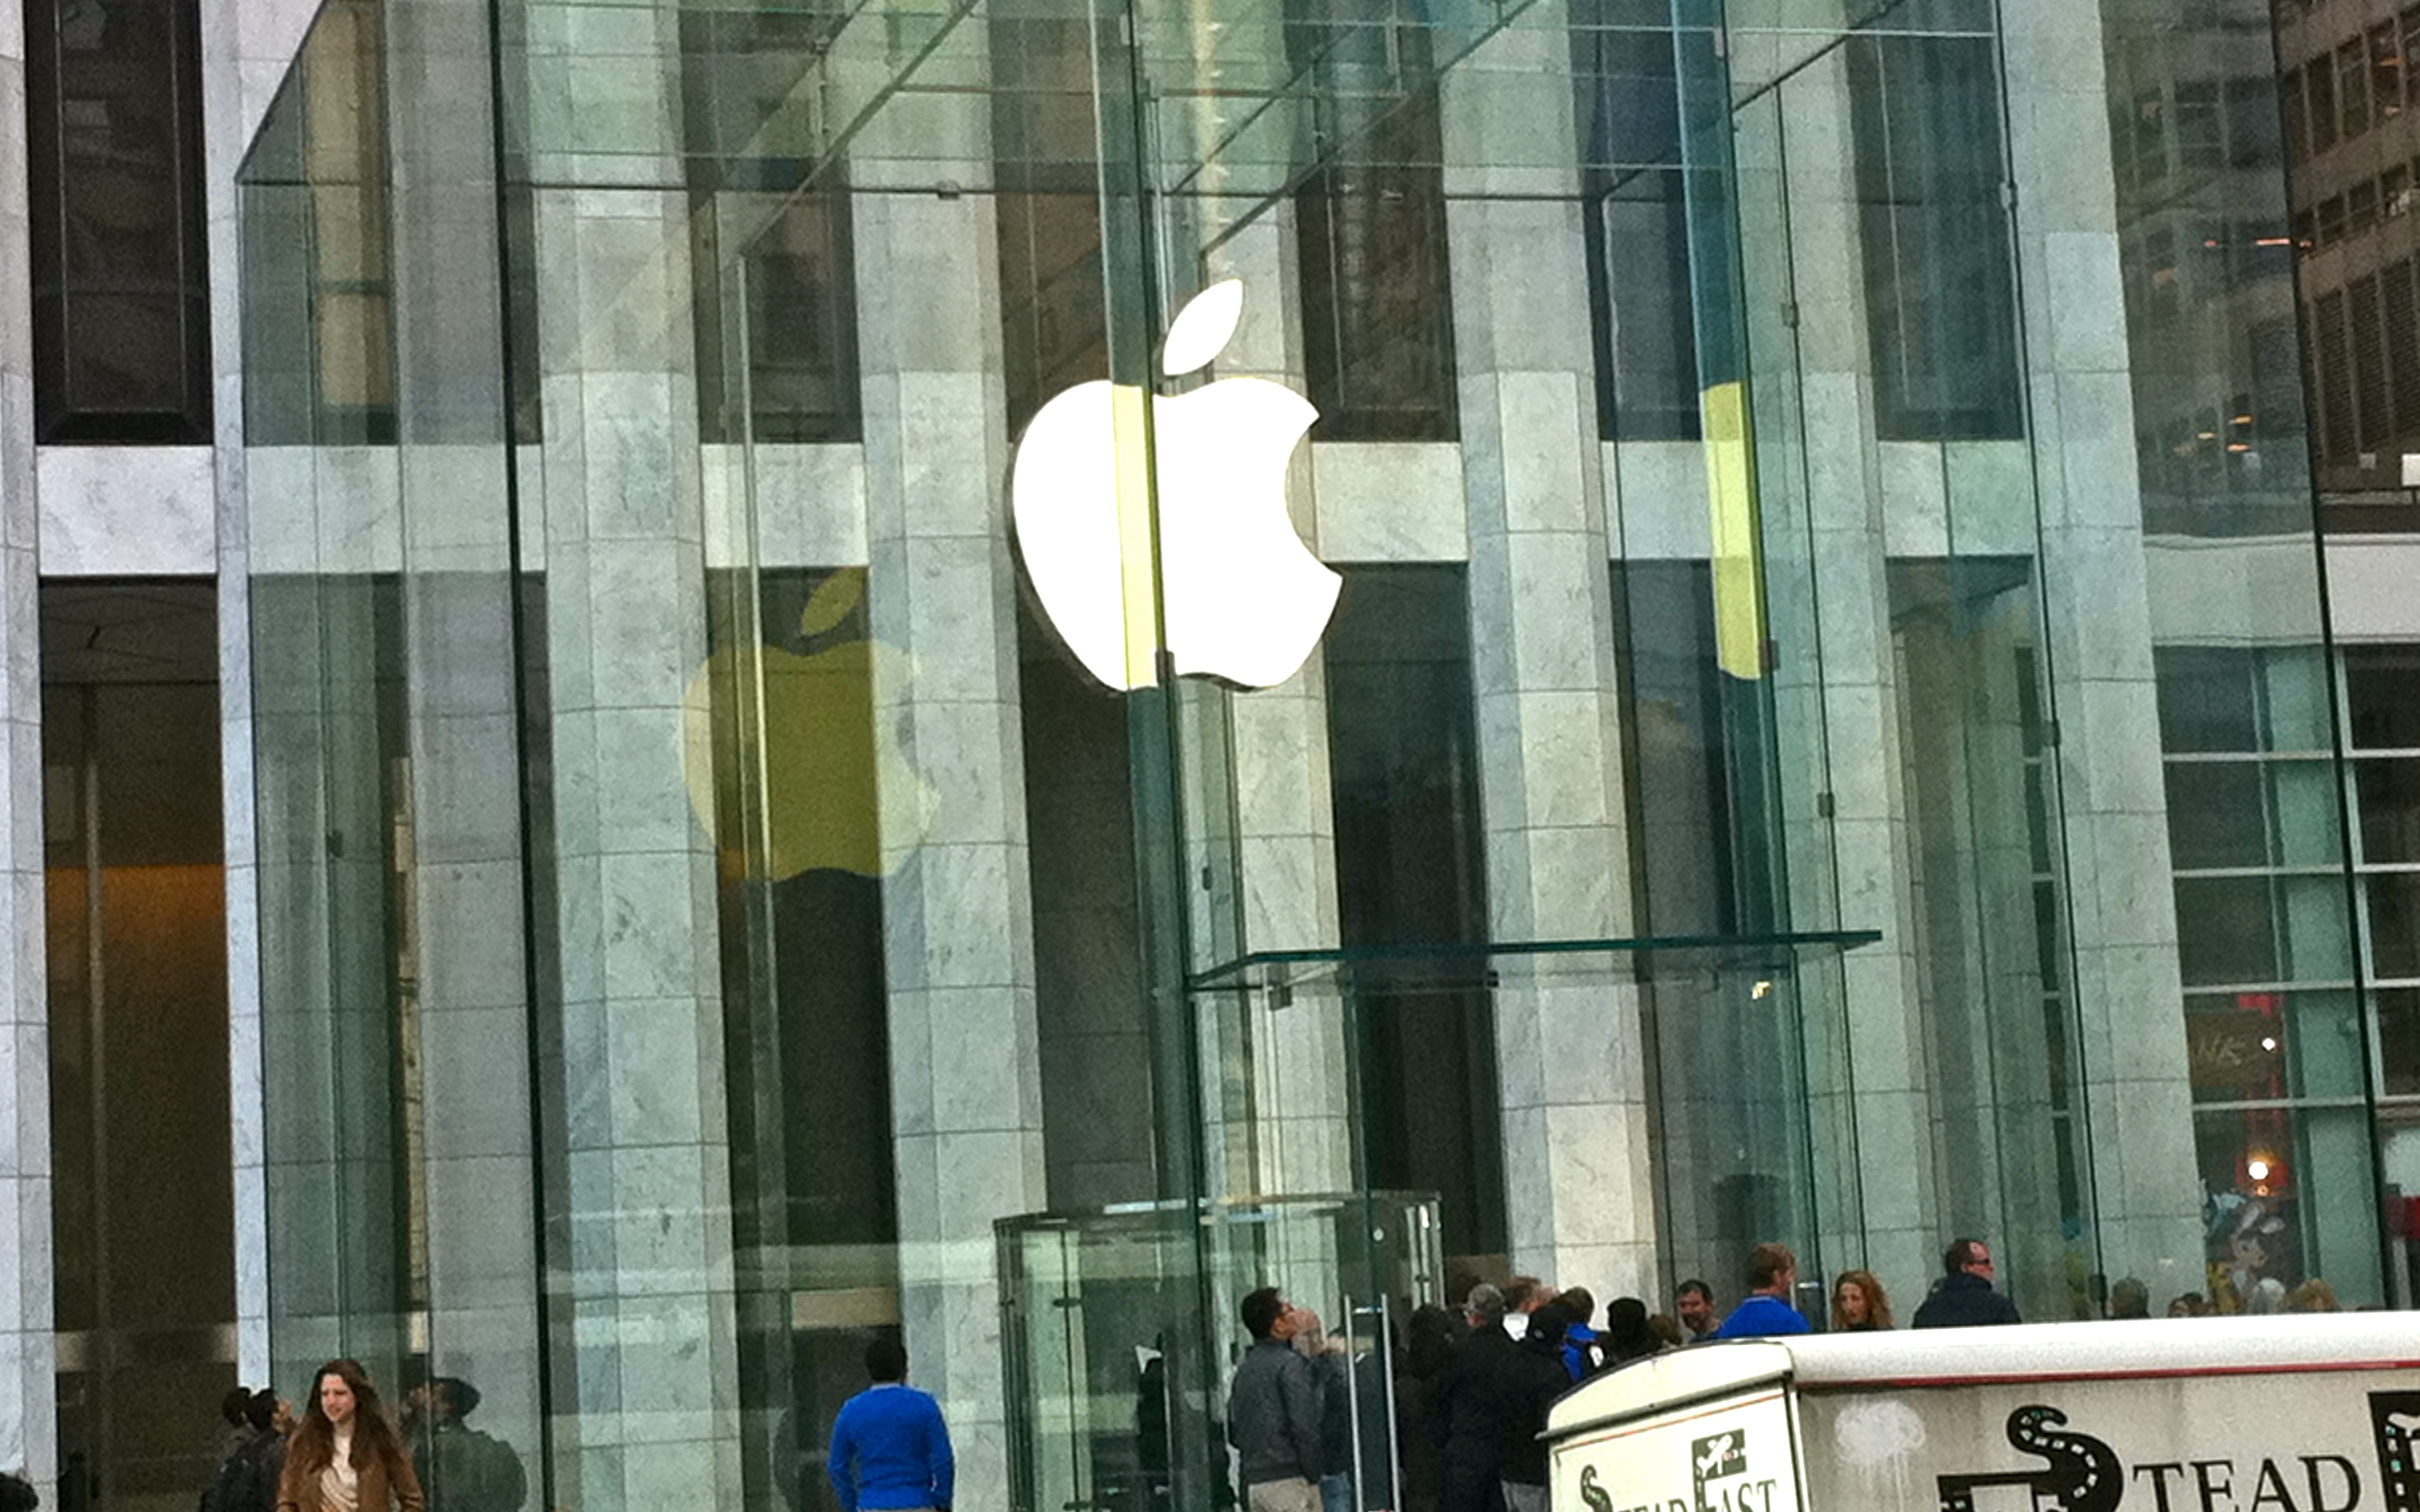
(1246, 601)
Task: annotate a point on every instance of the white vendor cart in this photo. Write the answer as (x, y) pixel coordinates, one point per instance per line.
(2299, 1413)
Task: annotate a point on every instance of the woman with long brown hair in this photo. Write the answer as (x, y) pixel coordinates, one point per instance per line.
(346, 1456)
(1859, 1303)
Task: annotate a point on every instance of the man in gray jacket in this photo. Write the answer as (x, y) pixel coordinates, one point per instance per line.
(1273, 1411)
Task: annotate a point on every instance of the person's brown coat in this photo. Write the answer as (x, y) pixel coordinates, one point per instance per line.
(383, 1482)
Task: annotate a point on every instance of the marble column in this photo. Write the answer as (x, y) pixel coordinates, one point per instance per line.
(956, 899)
(2138, 1092)
(1571, 1059)
(645, 1394)
(28, 1428)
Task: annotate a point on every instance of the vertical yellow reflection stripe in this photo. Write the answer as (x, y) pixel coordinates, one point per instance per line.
(1739, 563)
(1134, 536)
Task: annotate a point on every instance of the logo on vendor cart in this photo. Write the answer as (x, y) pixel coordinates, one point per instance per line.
(1713, 1459)
(2082, 1474)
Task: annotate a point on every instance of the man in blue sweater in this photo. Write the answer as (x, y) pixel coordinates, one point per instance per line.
(890, 1450)
(1773, 1277)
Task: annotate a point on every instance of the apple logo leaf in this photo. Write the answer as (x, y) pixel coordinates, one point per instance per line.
(831, 602)
(1202, 328)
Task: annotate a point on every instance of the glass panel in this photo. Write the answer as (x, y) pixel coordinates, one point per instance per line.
(2395, 923)
(2288, 1203)
(2263, 1047)
(2398, 1015)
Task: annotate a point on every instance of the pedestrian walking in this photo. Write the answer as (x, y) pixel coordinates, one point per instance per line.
(344, 1456)
(890, 1448)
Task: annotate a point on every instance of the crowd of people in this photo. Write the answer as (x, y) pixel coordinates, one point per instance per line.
(1473, 1387)
(345, 1452)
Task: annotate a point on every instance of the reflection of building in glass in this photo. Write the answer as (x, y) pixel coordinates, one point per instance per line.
(1831, 732)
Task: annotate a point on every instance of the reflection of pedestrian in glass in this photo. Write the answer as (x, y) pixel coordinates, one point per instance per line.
(248, 1479)
(460, 1468)
(2256, 1244)
(1433, 1344)
(1151, 1426)
(890, 1448)
(346, 1456)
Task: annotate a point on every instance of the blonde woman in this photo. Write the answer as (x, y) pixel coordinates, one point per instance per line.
(346, 1456)
(1860, 1304)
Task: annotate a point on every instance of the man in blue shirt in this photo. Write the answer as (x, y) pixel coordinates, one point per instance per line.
(1772, 1279)
(890, 1450)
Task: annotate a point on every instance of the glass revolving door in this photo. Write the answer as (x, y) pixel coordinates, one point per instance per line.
(1094, 1304)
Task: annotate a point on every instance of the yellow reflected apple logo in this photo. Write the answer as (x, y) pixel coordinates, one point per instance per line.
(828, 768)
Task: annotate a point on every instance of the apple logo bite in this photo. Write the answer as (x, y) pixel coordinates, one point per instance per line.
(1245, 601)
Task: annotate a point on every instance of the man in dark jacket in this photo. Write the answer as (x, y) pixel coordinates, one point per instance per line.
(1963, 1297)
(1528, 1381)
(1466, 1416)
(1274, 1411)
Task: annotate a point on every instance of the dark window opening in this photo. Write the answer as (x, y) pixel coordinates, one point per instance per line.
(1370, 223)
(120, 286)
(774, 269)
(1641, 301)
(1940, 278)
(1410, 869)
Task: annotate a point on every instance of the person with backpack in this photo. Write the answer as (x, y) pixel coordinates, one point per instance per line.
(460, 1468)
(248, 1477)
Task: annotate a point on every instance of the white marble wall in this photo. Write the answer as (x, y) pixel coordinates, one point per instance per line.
(1570, 1059)
(28, 1437)
(966, 1103)
(2099, 632)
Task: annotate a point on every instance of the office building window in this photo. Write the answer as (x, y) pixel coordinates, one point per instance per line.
(121, 290)
(2352, 87)
(2319, 97)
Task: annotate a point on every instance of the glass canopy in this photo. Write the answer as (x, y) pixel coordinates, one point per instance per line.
(1460, 964)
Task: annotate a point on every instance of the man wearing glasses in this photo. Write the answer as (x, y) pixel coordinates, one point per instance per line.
(1963, 1297)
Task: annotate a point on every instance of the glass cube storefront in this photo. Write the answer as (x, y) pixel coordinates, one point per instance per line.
(769, 828)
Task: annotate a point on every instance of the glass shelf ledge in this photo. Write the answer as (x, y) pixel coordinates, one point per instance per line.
(1464, 964)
